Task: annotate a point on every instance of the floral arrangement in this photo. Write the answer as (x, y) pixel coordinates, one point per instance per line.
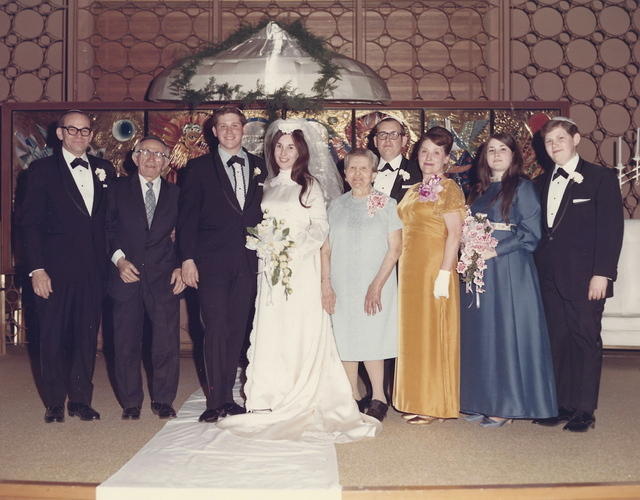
(477, 239)
(429, 191)
(270, 239)
(404, 174)
(375, 201)
(257, 171)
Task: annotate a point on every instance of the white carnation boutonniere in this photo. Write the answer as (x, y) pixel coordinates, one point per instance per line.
(404, 174)
(576, 177)
(256, 172)
(101, 175)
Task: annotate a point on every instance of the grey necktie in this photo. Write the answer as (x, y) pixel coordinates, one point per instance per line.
(149, 202)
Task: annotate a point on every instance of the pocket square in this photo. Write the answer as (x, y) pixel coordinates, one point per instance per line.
(260, 184)
(406, 186)
(580, 200)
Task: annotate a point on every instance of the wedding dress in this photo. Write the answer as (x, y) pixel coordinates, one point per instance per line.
(296, 386)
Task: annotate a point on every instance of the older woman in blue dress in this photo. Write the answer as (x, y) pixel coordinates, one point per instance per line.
(359, 286)
(505, 357)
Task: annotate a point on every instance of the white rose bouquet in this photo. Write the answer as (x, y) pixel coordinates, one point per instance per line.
(270, 239)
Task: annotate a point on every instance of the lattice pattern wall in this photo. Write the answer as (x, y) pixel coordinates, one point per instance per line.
(430, 50)
(588, 53)
(32, 50)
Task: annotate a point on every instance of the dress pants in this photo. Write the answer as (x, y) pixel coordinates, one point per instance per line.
(226, 300)
(576, 347)
(69, 321)
(163, 312)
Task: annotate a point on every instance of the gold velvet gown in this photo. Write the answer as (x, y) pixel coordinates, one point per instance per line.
(427, 380)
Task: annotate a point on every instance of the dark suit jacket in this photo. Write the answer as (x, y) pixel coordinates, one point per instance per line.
(60, 236)
(400, 186)
(586, 237)
(211, 224)
(151, 250)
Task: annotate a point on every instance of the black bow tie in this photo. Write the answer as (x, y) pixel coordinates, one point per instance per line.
(387, 166)
(560, 172)
(235, 159)
(79, 162)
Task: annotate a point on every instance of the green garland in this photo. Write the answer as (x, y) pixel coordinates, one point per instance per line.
(283, 99)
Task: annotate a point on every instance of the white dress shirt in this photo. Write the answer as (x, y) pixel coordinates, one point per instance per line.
(384, 180)
(83, 177)
(118, 254)
(557, 188)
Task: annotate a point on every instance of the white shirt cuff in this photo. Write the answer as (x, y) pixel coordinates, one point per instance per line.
(117, 255)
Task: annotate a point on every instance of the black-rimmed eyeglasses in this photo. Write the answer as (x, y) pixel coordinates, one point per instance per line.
(71, 130)
(152, 154)
(393, 136)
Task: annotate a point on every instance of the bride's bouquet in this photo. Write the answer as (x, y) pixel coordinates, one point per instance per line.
(477, 239)
(270, 239)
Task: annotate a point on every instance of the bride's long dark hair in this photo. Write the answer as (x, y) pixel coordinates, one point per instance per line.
(510, 178)
(300, 170)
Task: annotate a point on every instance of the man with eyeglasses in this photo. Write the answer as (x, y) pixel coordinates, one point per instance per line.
(395, 175)
(219, 198)
(63, 222)
(145, 279)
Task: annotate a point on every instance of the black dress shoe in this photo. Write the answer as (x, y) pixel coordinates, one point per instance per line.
(163, 410)
(364, 403)
(131, 413)
(581, 422)
(211, 415)
(377, 409)
(85, 412)
(233, 409)
(564, 415)
(54, 414)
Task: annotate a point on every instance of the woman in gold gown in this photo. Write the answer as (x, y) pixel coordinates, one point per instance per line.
(432, 212)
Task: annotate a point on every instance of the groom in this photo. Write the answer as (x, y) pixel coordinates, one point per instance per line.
(219, 198)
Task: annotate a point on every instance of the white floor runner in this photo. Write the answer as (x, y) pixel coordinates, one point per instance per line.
(192, 460)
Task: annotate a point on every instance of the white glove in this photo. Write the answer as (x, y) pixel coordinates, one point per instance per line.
(441, 285)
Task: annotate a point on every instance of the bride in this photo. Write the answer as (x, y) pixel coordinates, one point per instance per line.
(296, 386)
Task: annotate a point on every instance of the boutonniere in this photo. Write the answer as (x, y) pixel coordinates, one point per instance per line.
(101, 175)
(428, 191)
(256, 172)
(576, 177)
(375, 201)
(404, 174)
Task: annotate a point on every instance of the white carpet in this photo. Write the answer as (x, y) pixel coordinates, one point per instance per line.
(192, 460)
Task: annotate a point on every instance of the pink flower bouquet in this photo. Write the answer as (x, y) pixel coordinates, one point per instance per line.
(477, 239)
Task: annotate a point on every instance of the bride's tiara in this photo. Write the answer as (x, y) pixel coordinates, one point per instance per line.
(288, 126)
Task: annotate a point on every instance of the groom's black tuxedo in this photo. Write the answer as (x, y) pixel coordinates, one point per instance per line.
(68, 241)
(212, 232)
(152, 251)
(585, 241)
